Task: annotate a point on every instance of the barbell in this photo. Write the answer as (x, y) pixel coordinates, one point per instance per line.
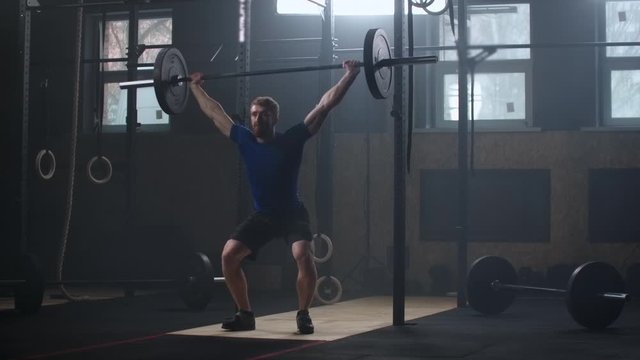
(170, 72)
(195, 283)
(594, 296)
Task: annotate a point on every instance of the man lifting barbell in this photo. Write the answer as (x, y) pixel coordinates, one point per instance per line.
(279, 211)
(272, 162)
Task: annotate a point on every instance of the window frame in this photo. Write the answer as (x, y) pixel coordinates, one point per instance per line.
(449, 67)
(318, 9)
(487, 67)
(607, 66)
(95, 51)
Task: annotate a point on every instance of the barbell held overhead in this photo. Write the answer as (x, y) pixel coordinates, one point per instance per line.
(379, 64)
(170, 72)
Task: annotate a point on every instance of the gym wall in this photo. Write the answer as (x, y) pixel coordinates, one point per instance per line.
(187, 181)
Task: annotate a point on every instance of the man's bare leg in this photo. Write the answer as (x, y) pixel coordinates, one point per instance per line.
(305, 283)
(233, 254)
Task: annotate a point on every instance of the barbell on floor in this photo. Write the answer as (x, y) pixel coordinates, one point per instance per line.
(594, 296)
(170, 72)
(195, 283)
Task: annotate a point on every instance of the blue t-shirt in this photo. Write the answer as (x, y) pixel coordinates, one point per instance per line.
(273, 167)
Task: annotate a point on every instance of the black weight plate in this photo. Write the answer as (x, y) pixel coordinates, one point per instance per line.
(198, 282)
(376, 48)
(171, 96)
(29, 294)
(480, 295)
(585, 306)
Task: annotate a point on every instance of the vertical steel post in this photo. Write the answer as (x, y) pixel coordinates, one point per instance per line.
(243, 85)
(399, 200)
(132, 110)
(463, 157)
(25, 54)
(324, 161)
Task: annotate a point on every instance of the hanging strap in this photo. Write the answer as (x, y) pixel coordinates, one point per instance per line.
(100, 89)
(411, 85)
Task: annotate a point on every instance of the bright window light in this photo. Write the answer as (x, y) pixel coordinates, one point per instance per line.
(152, 31)
(340, 7)
(623, 24)
(625, 94)
(498, 96)
(487, 26)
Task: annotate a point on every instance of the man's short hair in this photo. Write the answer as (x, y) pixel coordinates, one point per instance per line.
(268, 103)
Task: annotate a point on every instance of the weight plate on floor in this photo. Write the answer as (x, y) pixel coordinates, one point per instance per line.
(583, 301)
(480, 294)
(172, 96)
(197, 282)
(377, 48)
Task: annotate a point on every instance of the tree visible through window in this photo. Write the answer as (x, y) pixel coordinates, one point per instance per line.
(623, 25)
(340, 7)
(151, 31)
(500, 82)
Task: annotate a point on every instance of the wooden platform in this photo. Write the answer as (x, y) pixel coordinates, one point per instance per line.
(333, 321)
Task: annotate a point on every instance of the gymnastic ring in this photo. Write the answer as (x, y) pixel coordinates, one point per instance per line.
(52, 169)
(107, 177)
(438, 7)
(323, 288)
(329, 243)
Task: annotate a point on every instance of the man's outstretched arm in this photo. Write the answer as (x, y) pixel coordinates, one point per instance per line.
(209, 106)
(332, 97)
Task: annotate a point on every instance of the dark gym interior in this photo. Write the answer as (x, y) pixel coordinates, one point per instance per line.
(100, 185)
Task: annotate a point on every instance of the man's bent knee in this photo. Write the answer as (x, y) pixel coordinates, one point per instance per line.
(234, 252)
(302, 252)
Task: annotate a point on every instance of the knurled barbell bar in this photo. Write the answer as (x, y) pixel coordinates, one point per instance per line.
(594, 297)
(195, 283)
(170, 72)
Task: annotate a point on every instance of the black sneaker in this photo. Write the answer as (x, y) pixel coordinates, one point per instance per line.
(241, 321)
(305, 326)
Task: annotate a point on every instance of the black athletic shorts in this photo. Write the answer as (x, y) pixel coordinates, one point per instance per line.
(260, 228)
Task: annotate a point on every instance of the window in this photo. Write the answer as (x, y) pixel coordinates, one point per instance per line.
(154, 28)
(497, 96)
(340, 7)
(502, 94)
(621, 69)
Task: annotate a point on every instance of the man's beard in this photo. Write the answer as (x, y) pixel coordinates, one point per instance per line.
(261, 130)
